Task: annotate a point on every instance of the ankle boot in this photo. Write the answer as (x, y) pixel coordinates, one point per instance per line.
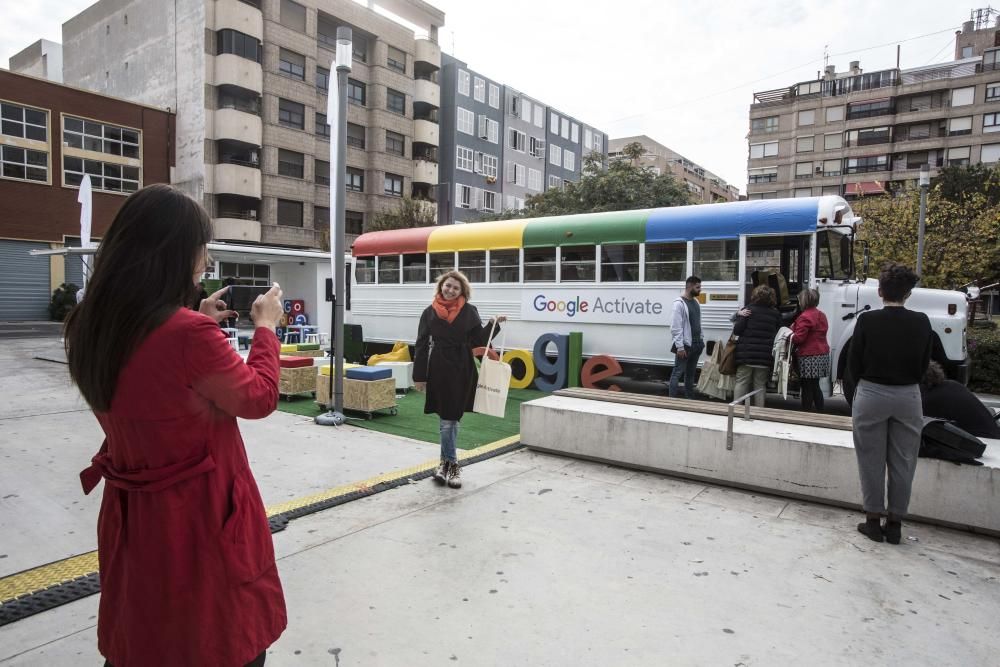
(441, 474)
(893, 531)
(871, 529)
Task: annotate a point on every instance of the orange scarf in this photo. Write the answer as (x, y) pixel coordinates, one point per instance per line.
(447, 310)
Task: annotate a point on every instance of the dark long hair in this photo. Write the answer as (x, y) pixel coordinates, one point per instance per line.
(142, 273)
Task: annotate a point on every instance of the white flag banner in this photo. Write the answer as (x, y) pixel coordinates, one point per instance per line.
(85, 198)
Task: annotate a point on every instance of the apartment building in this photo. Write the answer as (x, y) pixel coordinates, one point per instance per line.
(249, 81)
(859, 133)
(704, 186)
(51, 135)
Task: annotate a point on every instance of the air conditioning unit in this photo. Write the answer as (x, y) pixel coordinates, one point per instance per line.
(819, 169)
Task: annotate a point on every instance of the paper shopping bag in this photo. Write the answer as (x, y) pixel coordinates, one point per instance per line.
(493, 384)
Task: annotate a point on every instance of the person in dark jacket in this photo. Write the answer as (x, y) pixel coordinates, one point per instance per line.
(947, 399)
(812, 352)
(444, 367)
(890, 350)
(756, 332)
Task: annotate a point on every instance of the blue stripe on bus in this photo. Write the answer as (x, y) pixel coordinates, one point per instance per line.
(706, 222)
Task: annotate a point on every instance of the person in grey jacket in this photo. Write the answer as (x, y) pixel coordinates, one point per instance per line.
(687, 342)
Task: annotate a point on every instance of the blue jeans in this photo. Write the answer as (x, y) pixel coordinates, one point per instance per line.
(686, 369)
(449, 436)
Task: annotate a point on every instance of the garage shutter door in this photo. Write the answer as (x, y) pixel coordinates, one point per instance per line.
(24, 282)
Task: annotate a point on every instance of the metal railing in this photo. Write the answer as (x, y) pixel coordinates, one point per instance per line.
(732, 413)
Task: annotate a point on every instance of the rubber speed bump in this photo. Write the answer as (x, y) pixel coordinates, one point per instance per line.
(48, 586)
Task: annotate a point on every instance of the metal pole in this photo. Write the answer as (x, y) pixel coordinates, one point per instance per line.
(925, 182)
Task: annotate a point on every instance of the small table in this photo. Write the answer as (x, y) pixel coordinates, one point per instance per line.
(299, 331)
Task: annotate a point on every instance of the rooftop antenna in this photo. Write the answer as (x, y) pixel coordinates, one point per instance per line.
(453, 44)
(982, 17)
(826, 56)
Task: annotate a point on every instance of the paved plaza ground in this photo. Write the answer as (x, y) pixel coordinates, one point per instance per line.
(538, 560)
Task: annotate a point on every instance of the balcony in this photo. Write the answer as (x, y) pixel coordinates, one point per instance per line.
(237, 71)
(425, 132)
(425, 171)
(237, 179)
(301, 237)
(427, 92)
(428, 52)
(239, 16)
(238, 126)
(235, 228)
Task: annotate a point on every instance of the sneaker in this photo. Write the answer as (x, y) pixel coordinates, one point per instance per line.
(455, 476)
(441, 474)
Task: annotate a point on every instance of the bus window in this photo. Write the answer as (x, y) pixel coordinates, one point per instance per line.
(579, 264)
(539, 265)
(441, 262)
(364, 270)
(473, 264)
(388, 270)
(620, 263)
(717, 260)
(665, 262)
(504, 266)
(415, 268)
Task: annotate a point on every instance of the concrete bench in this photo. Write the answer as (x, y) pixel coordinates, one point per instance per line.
(794, 460)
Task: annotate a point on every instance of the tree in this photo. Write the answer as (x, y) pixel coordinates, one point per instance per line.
(625, 185)
(409, 213)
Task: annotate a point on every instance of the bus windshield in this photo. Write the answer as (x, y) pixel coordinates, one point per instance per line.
(834, 255)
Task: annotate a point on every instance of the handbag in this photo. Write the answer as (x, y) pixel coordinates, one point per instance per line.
(708, 381)
(727, 360)
(493, 383)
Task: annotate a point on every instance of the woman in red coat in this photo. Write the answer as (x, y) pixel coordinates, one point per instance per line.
(811, 349)
(187, 564)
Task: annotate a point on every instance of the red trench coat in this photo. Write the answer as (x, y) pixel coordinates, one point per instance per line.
(187, 564)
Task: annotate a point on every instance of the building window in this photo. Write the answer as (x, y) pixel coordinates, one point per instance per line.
(492, 131)
(514, 203)
(516, 140)
(396, 59)
(555, 155)
(763, 175)
(539, 265)
(289, 213)
(292, 64)
(991, 122)
(505, 266)
(555, 182)
(322, 127)
(466, 121)
(463, 158)
(807, 117)
(870, 109)
(354, 222)
(959, 157)
(833, 141)
(961, 97)
(553, 122)
(598, 142)
(803, 170)
(526, 110)
(395, 101)
(98, 137)
(864, 165)
(990, 153)
(834, 114)
(479, 89)
(831, 167)
(804, 144)
(802, 192)
(359, 47)
(536, 147)
(291, 114)
(293, 15)
(620, 263)
(666, 262)
(494, 96)
(464, 196)
(463, 82)
(575, 133)
(321, 218)
(992, 92)
(565, 129)
(539, 116)
(23, 164)
(238, 44)
(233, 97)
(588, 138)
(768, 124)
(534, 180)
(395, 143)
(322, 169)
(769, 149)
(717, 260)
(489, 164)
(960, 126)
(356, 92)
(23, 122)
(326, 31)
(516, 173)
(872, 135)
(489, 201)
(291, 163)
(246, 274)
(966, 51)
(322, 78)
(394, 185)
(355, 180)
(356, 136)
(569, 160)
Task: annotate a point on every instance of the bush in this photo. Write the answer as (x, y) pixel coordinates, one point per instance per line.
(984, 351)
(63, 300)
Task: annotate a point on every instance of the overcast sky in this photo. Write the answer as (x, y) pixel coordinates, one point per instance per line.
(682, 72)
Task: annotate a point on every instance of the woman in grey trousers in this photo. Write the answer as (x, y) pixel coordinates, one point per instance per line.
(889, 353)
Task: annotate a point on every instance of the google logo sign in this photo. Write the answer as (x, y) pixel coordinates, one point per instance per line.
(571, 307)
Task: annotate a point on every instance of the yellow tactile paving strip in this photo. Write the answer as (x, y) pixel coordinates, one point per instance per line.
(62, 571)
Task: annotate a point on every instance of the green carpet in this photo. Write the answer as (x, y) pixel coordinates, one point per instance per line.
(411, 422)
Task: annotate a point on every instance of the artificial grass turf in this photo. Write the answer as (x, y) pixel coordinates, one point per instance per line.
(411, 422)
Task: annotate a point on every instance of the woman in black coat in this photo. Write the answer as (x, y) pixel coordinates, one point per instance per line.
(444, 366)
(754, 349)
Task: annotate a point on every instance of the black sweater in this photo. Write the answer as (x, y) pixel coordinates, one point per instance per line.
(757, 334)
(890, 346)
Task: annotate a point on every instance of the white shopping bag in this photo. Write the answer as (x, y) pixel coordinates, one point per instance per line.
(493, 383)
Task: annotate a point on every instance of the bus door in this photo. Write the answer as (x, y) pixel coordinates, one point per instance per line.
(780, 262)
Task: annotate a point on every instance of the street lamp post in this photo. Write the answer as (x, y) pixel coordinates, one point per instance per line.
(337, 115)
(925, 182)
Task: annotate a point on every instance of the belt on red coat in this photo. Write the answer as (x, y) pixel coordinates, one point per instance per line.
(148, 480)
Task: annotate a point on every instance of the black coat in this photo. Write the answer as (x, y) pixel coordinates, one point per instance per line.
(757, 334)
(951, 400)
(444, 360)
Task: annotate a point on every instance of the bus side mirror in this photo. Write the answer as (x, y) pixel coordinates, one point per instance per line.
(845, 253)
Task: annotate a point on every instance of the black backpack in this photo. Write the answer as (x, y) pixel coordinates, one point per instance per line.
(943, 440)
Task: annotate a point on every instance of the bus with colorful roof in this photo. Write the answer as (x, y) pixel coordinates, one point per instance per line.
(613, 276)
